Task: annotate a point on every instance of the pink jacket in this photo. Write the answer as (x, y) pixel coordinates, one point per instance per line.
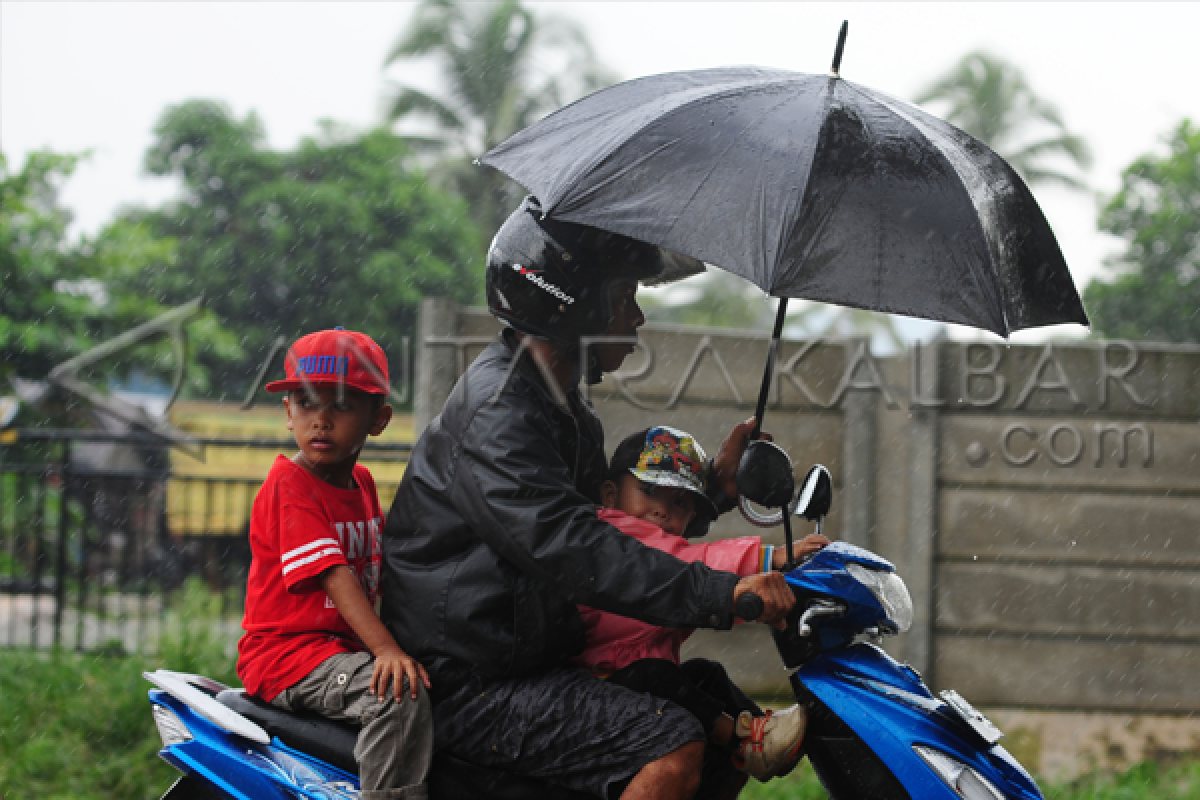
(614, 642)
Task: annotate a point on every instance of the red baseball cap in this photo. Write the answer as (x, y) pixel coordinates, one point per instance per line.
(335, 357)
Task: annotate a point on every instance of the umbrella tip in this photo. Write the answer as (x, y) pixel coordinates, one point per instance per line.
(836, 69)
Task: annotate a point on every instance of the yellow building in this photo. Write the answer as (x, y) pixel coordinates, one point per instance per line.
(213, 496)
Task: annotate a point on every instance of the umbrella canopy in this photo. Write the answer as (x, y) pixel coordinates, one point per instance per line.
(809, 186)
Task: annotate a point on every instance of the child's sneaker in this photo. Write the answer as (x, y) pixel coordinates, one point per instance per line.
(771, 744)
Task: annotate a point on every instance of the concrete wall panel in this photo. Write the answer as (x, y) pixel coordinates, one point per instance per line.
(1070, 528)
(1068, 601)
(1098, 675)
(1015, 450)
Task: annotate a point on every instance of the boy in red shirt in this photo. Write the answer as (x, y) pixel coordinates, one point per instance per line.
(313, 641)
(654, 491)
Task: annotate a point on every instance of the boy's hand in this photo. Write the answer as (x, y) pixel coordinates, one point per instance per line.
(394, 665)
(809, 544)
(391, 663)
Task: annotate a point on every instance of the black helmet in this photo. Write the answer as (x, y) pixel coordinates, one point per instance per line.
(550, 278)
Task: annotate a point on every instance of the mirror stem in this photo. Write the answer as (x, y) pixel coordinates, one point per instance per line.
(788, 564)
(769, 373)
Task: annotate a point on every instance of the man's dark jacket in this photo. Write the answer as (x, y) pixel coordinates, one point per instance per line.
(493, 539)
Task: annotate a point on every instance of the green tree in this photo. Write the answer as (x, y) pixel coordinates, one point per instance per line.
(502, 67)
(716, 299)
(63, 296)
(1156, 292)
(341, 230)
(991, 99)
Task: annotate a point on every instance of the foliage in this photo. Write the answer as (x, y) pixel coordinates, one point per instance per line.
(79, 726)
(723, 300)
(717, 298)
(1147, 780)
(341, 230)
(192, 639)
(74, 726)
(991, 99)
(1155, 294)
(62, 296)
(802, 784)
(502, 67)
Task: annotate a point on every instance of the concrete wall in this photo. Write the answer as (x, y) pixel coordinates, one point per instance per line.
(1042, 503)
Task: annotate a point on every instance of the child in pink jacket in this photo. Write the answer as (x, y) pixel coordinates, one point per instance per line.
(654, 491)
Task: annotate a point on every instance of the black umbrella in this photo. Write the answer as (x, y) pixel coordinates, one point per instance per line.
(808, 185)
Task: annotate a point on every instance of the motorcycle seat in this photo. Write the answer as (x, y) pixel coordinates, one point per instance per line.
(333, 742)
(330, 741)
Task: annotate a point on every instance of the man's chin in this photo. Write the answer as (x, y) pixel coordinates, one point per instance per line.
(611, 357)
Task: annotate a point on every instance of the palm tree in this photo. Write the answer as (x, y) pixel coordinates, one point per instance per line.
(720, 299)
(990, 99)
(502, 67)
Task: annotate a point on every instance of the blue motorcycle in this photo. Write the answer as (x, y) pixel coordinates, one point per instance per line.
(875, 730)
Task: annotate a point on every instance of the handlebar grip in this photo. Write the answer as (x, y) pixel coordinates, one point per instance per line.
(749, 607)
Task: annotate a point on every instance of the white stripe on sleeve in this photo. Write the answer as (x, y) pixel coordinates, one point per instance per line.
(305, 548)
(329, 551)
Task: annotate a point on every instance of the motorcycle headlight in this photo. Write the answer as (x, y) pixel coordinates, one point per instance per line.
(891, 592)
(170, 727)
(964, 780)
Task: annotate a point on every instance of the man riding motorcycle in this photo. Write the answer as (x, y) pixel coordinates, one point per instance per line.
(493, 538)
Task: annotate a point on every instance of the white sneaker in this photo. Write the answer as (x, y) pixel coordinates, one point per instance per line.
(771, 744)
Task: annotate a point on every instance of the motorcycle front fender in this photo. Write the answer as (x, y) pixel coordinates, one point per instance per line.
(890, 710)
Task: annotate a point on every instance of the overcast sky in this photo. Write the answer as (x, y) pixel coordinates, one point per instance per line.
(76, 76)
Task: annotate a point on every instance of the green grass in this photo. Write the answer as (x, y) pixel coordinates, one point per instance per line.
(79, 726)
(1144, 781)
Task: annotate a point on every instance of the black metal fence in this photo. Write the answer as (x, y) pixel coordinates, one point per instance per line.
(99, 533)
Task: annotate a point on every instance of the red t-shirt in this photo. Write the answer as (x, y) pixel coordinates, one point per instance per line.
(300, 527)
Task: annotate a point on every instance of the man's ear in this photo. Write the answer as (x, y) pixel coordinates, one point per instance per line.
(383, 415)
(608, 494)
(287, 408)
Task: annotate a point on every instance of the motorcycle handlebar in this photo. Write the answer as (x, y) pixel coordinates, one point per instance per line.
(748, 607)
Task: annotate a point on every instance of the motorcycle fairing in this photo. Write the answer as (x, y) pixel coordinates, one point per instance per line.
(839, 553)
(890, 709)
(248, 770)
(825, 575)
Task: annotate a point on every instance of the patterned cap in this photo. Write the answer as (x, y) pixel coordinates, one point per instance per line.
(673, 458)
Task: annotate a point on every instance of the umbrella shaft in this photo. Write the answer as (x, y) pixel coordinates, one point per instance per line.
(780, 315)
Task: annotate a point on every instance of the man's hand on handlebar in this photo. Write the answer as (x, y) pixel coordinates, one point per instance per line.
(776, 596)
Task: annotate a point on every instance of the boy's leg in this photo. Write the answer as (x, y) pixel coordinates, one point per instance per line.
(395, 743)
(772, 745)
(712, 679)
(668, 680)
(705, 693)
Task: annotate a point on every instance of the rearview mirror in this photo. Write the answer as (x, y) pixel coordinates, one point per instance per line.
(816, 495)
(765, 476)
